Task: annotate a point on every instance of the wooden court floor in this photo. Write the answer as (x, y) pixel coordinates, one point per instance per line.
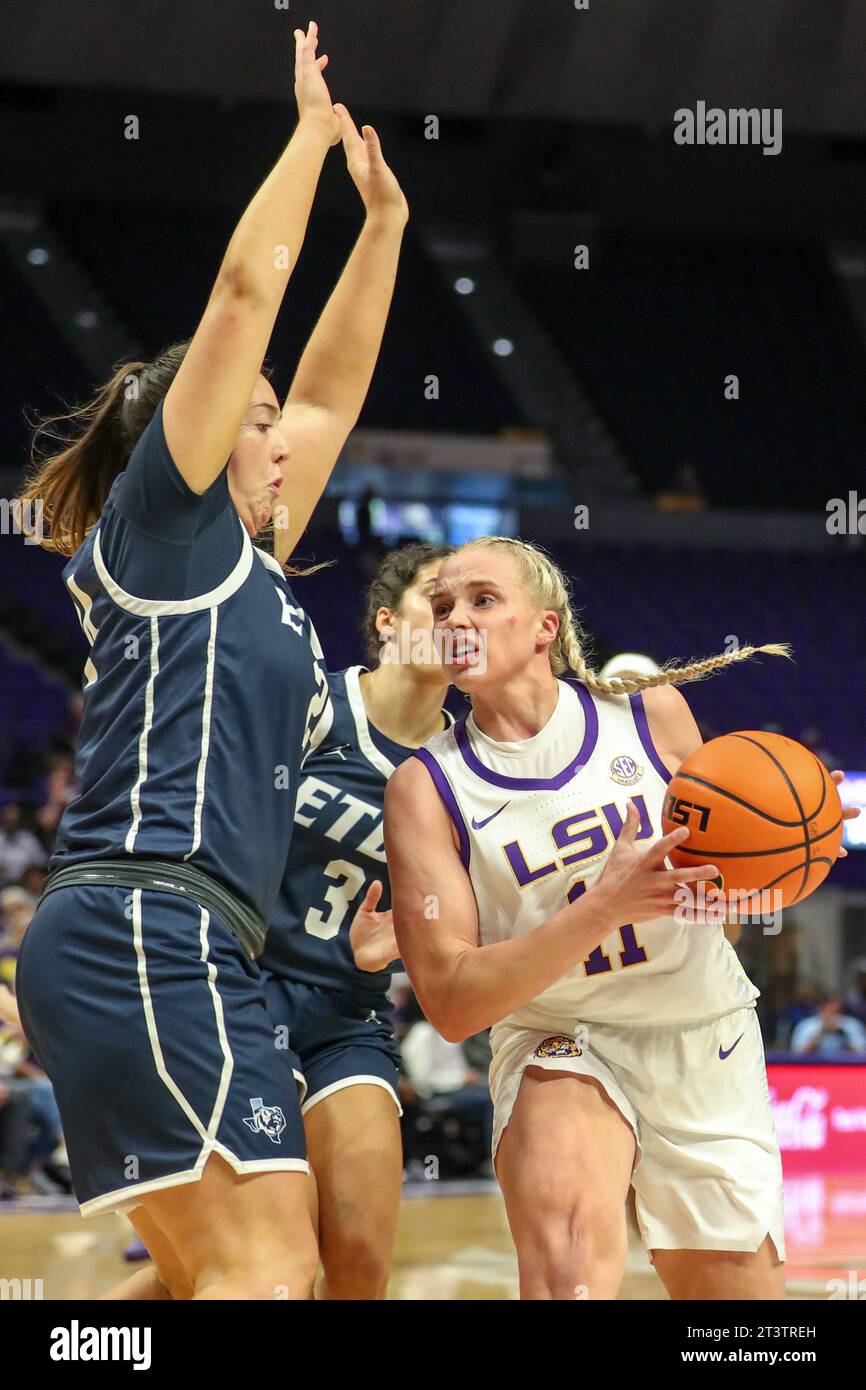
(452, 1244)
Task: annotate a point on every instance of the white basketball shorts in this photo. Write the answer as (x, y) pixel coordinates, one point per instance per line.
(707, 1173)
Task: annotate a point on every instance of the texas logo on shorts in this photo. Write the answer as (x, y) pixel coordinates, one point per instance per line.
(268, 1119)
(558, 1046)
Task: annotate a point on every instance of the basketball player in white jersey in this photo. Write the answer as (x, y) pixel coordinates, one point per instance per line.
(530, 892)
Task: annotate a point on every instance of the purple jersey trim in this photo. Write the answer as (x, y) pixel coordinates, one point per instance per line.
(498, 779)
(443, 787)
(643, 733)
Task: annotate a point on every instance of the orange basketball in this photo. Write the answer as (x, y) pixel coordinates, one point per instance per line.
(763, 809)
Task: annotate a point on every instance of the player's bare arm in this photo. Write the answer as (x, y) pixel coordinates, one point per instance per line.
(464, 987)
(334, 373)
(207, 400)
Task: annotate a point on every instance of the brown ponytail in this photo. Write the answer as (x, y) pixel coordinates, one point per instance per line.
(68, 487)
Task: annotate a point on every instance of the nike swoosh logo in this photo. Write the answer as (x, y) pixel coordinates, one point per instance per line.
(723, 1054)
(480, 824)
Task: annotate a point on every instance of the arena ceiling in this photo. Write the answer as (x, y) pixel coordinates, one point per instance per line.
(616, 61)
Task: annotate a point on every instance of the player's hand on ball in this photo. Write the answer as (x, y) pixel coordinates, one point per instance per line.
(371, 934)
(848, 812)
(311, 90)
(372, 177)
(635, 885)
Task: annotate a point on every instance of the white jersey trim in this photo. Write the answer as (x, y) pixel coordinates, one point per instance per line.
(91, 631)
(269, 562)
(207, 704)
(362, 727)
(144, 736)
(161, 608)
(373, 754)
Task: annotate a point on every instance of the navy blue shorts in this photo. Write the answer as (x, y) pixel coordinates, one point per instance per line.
(150, 1019)
(333, 1039)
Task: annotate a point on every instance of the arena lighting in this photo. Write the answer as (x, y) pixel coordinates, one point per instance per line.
(37, 255)
(503, 347)
(464, 285)
(86, 318)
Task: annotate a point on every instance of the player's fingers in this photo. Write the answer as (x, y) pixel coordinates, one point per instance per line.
(692, 875)
(374, 147)
(352, 142)
(630, 825)
(838, 777)
(663, 847)
(374, 893)
(322, 63)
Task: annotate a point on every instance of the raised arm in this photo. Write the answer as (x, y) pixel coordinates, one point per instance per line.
(334, 373)
(206, 402)
(464, 987)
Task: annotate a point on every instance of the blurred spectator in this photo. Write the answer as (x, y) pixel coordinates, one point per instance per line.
(30, 1128)
(830, 1031)
(686, 495)
(32, 880)
(855, 999)
(803, 1005)
(19, 847)
(441, 1075)
(60, 788)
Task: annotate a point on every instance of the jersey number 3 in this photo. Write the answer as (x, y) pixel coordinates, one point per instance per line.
(338, 899)
(597, 963)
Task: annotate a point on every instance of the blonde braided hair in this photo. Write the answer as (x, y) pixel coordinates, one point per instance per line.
(549, 588)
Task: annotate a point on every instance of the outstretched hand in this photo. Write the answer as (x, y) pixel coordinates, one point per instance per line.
(372, 177)
(371, 935)
(311, 89)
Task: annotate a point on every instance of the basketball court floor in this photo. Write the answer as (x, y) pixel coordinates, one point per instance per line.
(452, 1244)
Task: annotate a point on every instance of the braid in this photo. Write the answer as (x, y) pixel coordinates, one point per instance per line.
(549, 587)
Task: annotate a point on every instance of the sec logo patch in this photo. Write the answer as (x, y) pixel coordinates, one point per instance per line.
(625, 771)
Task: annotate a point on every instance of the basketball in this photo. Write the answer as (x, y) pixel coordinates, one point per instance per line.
(762, 808)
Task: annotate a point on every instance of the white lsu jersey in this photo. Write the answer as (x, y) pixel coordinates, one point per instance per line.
(537, 820)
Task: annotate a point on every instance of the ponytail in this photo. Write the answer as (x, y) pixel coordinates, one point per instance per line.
(548, 588)
(69, 485)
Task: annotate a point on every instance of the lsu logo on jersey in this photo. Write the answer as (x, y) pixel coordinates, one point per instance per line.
(267, 1119)
(558, 1046)
(625, 770)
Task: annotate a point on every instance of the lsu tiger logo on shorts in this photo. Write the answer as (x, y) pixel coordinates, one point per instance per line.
(558, 1046)
(267, 1119)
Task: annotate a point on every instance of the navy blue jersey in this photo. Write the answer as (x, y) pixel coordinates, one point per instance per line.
(338, 849)
(204, 689)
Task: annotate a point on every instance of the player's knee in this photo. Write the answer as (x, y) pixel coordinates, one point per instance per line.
(357, 1266)
(573, 1244)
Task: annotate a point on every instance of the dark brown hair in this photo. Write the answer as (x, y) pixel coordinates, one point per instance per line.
(397, 573)
(96, 439)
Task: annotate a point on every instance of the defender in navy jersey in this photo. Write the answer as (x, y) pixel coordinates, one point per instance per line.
(205, 690)
(331, 928)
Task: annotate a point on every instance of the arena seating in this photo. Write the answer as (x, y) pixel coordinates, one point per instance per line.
(635, 328)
